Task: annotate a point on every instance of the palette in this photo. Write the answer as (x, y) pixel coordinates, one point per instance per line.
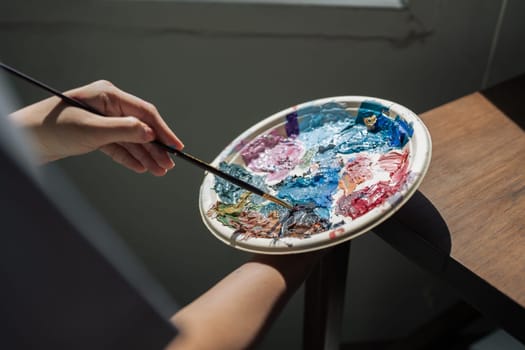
(346, 164)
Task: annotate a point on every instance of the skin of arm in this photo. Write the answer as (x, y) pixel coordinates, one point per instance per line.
(235, 312)
(124, 133)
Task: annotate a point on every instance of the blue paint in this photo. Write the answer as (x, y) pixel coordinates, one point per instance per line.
(406, 129)
(323, 137)
(316, 189)
(369, 108)
(387, 135)
(395, 133)
(313, 117)
(268, 208)
(229, 193)
(358, 139)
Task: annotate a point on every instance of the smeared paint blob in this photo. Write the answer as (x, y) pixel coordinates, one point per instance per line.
(316, 189)
(356, 172)
(253, 149)
(315, 117)
(327, 153)
(387, 135)
(362, 201)
(229, 193)
(300, 222)
(369, 108)
(359, 202)
(303, 221)
(274, 155)
(292, 125)
(396, 164)
(250, 223)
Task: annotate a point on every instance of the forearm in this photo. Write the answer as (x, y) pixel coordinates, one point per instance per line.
(233, 313)
(123, 131)
(32, 119)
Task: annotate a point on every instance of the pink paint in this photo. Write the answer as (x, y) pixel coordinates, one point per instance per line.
(396, 164)
(362, 201)
(357, 171)
(253, 149)
(240, 145)
(273, 154)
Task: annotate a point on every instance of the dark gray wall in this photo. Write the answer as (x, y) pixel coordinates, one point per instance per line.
(215, 69)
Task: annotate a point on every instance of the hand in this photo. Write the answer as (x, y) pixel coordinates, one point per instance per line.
(124, 133)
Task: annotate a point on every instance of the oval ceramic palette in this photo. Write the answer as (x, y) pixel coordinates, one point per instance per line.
(346, 163)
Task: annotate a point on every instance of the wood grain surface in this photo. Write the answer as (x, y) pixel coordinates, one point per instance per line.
(476, 181)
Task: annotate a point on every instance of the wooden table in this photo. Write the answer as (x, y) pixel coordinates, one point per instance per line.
(466, 223)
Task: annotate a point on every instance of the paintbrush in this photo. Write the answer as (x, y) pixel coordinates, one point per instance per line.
(191, 159)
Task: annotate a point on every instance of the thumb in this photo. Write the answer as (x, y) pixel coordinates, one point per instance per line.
(123, 129)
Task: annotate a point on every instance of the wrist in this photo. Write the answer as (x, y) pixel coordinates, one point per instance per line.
(40, 122)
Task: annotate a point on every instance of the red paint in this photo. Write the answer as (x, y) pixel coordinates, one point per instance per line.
(336, 232)
(362, 201)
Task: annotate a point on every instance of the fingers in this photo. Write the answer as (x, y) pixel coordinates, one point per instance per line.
(130, 123)
(137, 158)
(124, 129)
(122, 156)
(148, 113)
(112, 101)
(133, 136)
(160, 156)
(145, 158)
